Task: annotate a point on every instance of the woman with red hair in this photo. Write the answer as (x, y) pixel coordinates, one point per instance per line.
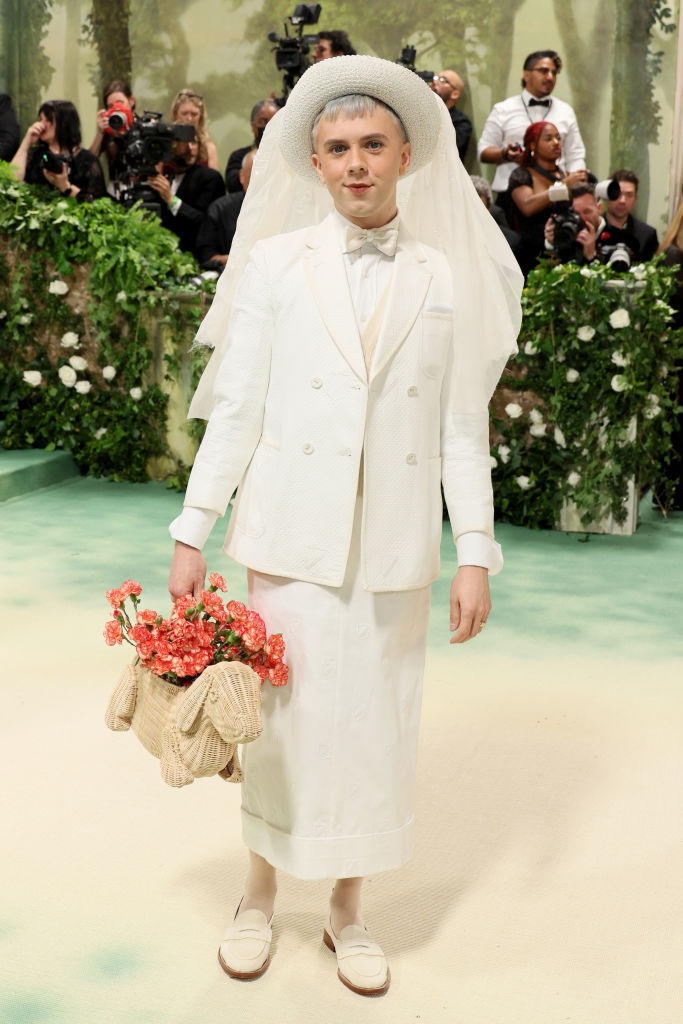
(536, 186)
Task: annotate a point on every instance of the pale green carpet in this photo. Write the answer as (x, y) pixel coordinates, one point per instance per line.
(547, 883)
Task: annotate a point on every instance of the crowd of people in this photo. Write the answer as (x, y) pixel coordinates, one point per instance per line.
(532, 139)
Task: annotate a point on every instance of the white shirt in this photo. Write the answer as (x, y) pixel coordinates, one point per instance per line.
(368, 272)
(508, 122)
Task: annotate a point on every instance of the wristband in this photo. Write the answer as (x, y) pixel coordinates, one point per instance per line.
(558, 192)
(174, 203)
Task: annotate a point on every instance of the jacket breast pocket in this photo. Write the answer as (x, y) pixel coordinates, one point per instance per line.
(437, 334)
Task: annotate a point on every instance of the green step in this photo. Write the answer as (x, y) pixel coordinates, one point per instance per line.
(28, 470)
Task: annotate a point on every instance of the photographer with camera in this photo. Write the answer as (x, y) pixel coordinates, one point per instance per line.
(500, 141)
(261, 114)
(186, 191)
(113, 121)
(640, 237)
(332, 44)
(449, 86)
(50, 154)
(577, 234)
(537, 184)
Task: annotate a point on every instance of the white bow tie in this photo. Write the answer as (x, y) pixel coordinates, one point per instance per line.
(385, 239)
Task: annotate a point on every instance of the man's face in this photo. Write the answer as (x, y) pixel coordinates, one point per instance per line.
(540, 80)
(588, 209)
(360, 160)
(322, 50)
(184, 154)
(622, 206)
(446, 86)
(262, 118)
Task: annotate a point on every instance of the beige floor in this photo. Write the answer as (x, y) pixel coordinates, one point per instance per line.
(546, 886)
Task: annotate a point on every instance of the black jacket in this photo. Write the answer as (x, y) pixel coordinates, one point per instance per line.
(198, 189)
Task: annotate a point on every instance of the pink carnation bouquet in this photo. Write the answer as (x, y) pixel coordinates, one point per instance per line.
(196, 634)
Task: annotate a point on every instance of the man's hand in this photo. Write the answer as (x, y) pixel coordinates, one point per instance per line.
(586, 239)
(513, 153)
(188, 572)
(470, 602)
(162, 185)
(549, 232)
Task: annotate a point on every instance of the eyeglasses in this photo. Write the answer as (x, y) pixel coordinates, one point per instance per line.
(440, 78)
(187, 95)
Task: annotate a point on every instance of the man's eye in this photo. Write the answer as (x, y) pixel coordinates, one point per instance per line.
(375, 144)
(337, 149)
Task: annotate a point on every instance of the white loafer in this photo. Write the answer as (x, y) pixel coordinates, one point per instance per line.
(244, 952)
(361, 964)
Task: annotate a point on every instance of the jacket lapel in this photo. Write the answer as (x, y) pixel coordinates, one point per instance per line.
(409, 286)
(324, 268)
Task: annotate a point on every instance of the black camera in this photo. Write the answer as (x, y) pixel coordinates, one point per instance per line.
(53, 162)
(147, 143)
(567, 226)
(407, 59)
(291, 52)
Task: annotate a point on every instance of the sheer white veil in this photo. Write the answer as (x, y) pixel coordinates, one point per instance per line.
(439, 206)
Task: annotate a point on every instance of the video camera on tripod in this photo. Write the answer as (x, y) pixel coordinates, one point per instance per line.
(147, 143)
(291, 52)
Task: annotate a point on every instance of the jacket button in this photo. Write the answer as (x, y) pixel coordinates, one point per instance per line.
(308, 449)
(316, 382)
(412, 390)
(411, 458)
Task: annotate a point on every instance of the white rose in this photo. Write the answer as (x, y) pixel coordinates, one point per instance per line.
(135, 394)
(530, 349)
(33, 377)
(78, 363)
(523, 482)
(585, 272)
(69, 340)
(573, 479)
(513, 410)
(494, 462)
(652, 411)
(573, 376)
(536, 416)
(209, 275)
(67, 375)
(99, 434)
(559, 438)
(586, 333)
(109, 372)
(560, 356)
(83, 387)
(3, 314)
(503, 453)
(619, 318)
(663, 371)
(619, 359)
(538, 429)
(26, 319)
(58, 288)
(121, 296)
(638, 271)
(618, 382)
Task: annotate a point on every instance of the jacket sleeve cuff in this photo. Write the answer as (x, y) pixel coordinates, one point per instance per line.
(479, 549)
(193, 526)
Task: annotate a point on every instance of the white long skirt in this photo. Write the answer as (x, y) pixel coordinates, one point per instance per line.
(328, 790)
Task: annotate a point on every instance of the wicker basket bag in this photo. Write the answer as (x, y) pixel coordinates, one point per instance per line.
(193, 730)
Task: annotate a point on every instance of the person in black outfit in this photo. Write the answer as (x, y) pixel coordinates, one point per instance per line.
(58, 133)
(186, 190)
(334, 43)
(218, 228)
(449, 85)
(9, 128)
(640, 237)
(261, 114)
(536, 186)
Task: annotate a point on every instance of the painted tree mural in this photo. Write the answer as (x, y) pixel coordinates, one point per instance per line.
(27, 69)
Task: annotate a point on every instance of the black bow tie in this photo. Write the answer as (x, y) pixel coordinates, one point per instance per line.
(539, 103)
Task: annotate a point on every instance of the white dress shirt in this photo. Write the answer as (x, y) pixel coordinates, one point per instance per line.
(368, 273)
(508, 122)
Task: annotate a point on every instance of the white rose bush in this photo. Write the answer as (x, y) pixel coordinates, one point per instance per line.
(80, 286)
(586, 405)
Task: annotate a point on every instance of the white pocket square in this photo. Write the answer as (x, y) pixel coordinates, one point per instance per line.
(443, 310)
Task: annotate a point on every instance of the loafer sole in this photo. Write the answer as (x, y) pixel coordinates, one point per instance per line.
(242, 975)
(329, 942)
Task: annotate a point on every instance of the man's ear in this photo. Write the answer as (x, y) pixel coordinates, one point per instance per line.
(405, 159)
(317, 164)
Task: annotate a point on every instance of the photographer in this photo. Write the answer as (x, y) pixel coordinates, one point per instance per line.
(50, 154)
(119, 105)
(581, 238)
(332, 44)
(640, 237)
(186, 191)
(261, 114)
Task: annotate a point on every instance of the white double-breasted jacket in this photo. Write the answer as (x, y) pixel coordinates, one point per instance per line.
(295, 409)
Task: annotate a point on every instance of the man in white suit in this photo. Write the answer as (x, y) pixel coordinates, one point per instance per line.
(340, 402)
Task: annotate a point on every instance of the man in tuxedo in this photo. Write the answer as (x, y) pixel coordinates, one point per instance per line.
(449, 85)
(261, 114)
(641, 238)
(501, 139)
(218, 228)
(186, 190)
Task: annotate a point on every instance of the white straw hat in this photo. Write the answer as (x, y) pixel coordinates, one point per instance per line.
(401, 89)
